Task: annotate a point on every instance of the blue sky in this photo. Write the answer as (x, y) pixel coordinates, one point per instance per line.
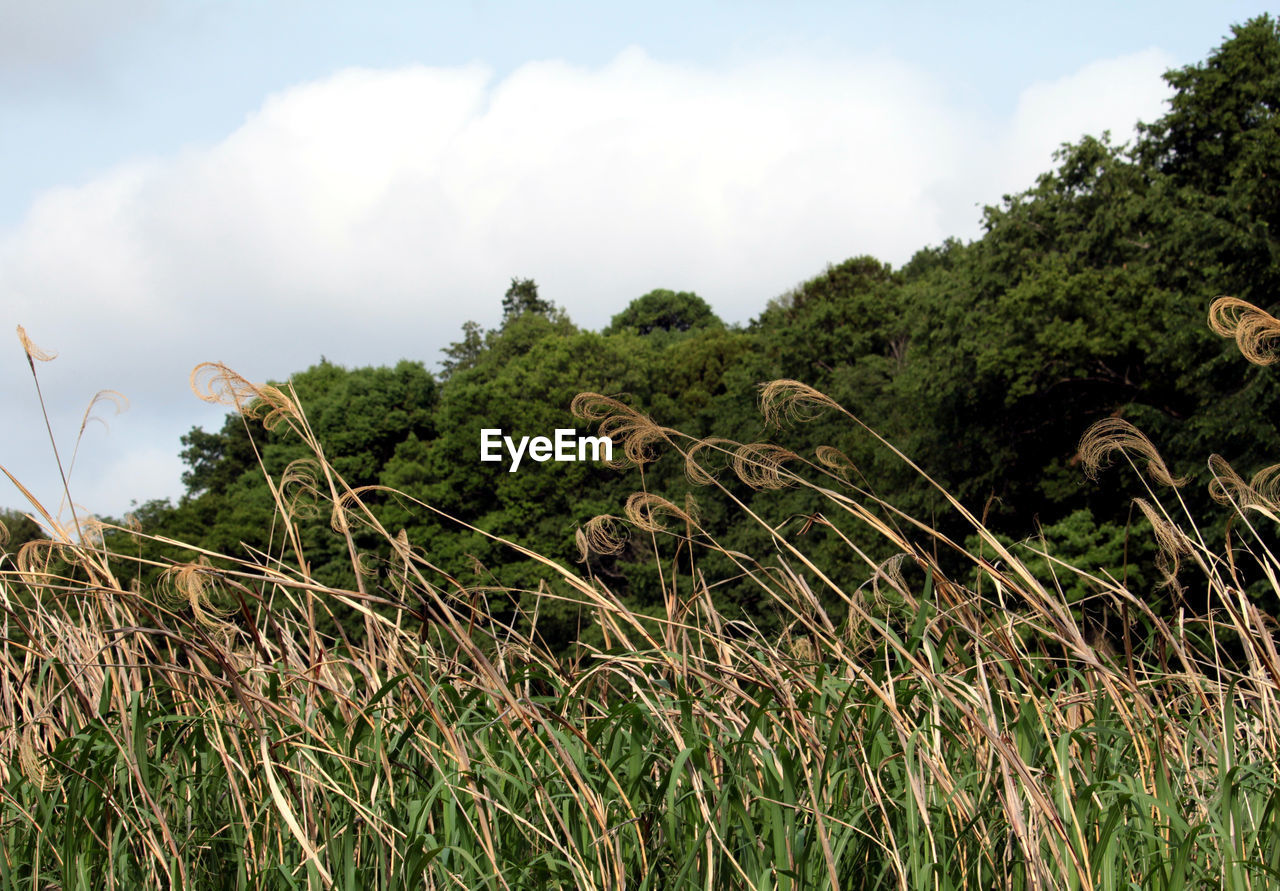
(86, 90)
(266, 183)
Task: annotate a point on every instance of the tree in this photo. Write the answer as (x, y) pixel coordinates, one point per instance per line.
(522, 297)
(663, 310)
(16, 529)
(1087, 297)
(1221, 126)
(463, 353)
(848, 314)
(1218, 150)
(522, 383)
(360, 416)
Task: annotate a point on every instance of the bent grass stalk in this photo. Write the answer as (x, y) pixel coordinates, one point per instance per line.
(908, 729)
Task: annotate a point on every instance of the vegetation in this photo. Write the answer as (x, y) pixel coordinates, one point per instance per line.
(942, 732)
(916, 645)
(1084, 300)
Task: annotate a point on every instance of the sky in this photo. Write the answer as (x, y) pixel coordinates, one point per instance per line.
(268, 183)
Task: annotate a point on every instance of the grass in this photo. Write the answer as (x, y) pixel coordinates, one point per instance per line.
(911, 728)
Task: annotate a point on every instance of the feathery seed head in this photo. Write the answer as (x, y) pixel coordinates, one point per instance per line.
(759, 465)
(644, 509)
(1111, 435)
(835, 460)
(637, 433)
(1172, 541)
(34, 353)
(216, 383)
(787, 400)
(697, 473)
(1256, 332)
(602, 535)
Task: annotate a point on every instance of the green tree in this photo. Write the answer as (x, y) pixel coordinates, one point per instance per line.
(16, 529)
(522, 297)
(463, 353)
(522, 384)
(360, 416)
(1085, 298)
(1218, 153)
(664, 310)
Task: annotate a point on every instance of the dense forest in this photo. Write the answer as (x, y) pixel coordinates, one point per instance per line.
(1085, 298)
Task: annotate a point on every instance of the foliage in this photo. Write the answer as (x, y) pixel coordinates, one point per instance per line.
(363, 415)
(354, 655)
(986, 362)
(663, 310)
(17, 528)
(463, 353)
(939, 733)
(522, 297)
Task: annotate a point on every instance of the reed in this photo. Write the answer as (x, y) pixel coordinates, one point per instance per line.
(913, 726)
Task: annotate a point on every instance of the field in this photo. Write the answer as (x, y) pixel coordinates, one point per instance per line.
(947, 719)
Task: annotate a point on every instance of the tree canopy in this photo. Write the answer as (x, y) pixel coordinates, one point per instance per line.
(1085, 298)
(663, 310)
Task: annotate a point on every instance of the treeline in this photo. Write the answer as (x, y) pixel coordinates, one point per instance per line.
(1085, 298)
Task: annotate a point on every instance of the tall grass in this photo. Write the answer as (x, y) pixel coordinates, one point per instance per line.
(913, 727)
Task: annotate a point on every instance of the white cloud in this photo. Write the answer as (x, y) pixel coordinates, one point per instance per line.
(1000, 157)
(1110, 94)
(366, 216)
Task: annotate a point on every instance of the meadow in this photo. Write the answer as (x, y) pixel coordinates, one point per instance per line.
(949, 718)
